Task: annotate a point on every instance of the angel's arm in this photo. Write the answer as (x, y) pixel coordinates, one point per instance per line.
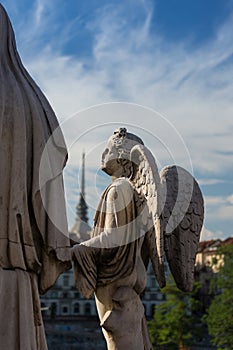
(115, 220)
(88, 254)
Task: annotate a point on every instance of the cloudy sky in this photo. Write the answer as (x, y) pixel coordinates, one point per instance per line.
(162, 68)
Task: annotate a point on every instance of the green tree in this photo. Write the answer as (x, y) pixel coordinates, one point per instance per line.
(220, 313)
(176, 324)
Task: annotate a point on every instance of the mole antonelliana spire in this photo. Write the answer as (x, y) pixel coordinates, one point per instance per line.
(82, 207)
(81, 230)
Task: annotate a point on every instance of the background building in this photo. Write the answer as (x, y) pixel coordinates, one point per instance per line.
(208, 256)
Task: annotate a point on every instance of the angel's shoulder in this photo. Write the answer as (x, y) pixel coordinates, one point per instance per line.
(120, 187)
(121, 183)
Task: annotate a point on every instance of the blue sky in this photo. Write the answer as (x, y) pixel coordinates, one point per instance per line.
(175, 57)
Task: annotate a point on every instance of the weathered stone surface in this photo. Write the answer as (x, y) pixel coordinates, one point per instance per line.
(33, 251)
(131, 228)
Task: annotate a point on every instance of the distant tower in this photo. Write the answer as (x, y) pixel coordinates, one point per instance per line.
(81, 230)
(82, 207)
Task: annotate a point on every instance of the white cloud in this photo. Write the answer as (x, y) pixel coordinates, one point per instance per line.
(218, 200)
(226, 212)
(220, 207)
(130, 64)
(215, 200)
(230, 199)
(209, 182)
(207, 235)
(39, 10)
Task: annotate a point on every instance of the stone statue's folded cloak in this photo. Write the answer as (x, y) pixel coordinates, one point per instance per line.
(29, 239)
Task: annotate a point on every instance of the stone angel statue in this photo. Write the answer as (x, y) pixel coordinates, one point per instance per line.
(141, 216)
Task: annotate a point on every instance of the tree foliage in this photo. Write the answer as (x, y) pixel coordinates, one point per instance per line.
(220, 314)
(175, 324)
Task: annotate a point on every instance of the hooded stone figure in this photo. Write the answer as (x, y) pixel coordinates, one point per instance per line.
(34, 248)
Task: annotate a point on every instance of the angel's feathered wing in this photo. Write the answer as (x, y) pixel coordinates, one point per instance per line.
(176, 208)
(147, 183)
(183, 216)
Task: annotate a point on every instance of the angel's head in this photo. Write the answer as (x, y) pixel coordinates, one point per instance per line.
(116, 156)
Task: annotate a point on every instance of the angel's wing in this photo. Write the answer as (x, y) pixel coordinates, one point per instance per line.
(147, 183)
(183, 215)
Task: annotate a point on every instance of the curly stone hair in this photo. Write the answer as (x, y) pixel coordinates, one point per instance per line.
(124, 142)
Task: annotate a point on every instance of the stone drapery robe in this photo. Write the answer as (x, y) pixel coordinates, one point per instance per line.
(34, 251)
(110, 264)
